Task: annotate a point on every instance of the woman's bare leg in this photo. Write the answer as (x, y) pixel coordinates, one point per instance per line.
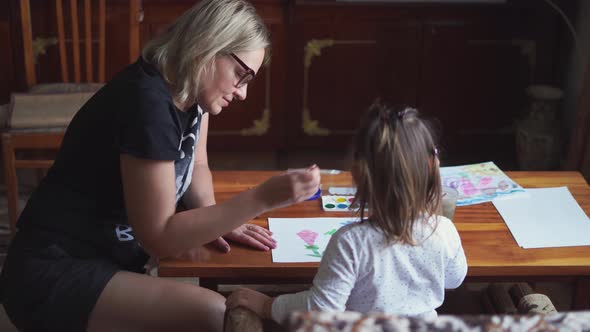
(136, 302)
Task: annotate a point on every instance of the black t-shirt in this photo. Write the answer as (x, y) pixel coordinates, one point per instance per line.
(80, 200)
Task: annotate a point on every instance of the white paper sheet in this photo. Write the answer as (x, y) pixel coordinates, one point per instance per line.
(303, 239)
(548, 217)
(342, 191)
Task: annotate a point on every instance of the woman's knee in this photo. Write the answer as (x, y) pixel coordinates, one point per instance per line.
(139, 302)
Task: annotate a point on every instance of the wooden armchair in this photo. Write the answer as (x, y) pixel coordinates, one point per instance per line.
(87, 78)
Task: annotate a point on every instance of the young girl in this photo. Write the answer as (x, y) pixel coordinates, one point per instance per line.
(401, 257)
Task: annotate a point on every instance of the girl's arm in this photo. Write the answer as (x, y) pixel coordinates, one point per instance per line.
(331, 288)
(456, 268)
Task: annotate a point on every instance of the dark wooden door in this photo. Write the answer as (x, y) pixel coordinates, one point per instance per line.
(343, 56)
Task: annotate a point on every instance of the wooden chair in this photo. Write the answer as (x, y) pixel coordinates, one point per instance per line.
(13, 139)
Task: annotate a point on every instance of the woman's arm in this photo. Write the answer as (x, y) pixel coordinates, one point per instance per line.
(149, 188)
(200, 193)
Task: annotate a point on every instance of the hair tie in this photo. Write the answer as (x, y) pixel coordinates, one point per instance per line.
(401, 114)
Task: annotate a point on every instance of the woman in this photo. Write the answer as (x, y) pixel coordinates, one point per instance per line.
(136, 149)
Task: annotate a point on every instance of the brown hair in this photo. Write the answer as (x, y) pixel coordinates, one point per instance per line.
(395, 170)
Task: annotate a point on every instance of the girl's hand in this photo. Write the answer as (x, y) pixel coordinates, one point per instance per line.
(244, 297)
(291, 187)
(250, 235)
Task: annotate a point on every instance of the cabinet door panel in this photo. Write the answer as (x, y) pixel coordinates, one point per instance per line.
(339, 69)
(473, 83)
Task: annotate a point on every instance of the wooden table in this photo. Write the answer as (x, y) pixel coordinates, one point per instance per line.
(492, 253)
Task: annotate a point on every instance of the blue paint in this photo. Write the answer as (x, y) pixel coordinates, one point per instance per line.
(317, 195)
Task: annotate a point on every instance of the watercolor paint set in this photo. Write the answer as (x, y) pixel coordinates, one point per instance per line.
(337, 203)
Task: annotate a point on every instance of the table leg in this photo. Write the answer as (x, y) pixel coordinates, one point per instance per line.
(581, 296)
(211, 284)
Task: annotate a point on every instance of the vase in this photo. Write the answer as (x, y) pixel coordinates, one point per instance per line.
(538, 138)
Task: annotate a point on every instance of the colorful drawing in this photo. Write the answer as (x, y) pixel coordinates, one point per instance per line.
(478, 183)
(303, 239)
(309, 238)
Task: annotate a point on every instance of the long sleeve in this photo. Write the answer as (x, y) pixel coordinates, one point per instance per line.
(362, 271)
(332, 284)
(456, 268)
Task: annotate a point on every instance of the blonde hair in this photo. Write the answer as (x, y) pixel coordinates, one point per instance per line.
(395, 170)
(186, 51)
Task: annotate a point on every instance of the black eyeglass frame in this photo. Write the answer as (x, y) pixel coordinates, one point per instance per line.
(248, 76)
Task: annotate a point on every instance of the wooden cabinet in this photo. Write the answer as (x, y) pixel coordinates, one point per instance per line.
(473, 79)
(342, 58)
(463, 65)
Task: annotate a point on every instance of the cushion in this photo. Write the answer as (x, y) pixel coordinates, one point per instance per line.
(51, 110)
(65, 87)
(354, 321)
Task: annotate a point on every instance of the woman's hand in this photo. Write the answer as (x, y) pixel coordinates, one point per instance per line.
(244, 297)
(291, 187)
(248, 234)
(288, 188)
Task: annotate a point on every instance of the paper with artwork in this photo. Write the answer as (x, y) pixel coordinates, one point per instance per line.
(305, 239)
(479, 183)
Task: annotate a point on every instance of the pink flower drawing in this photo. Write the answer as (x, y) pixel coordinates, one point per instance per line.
(308, 236)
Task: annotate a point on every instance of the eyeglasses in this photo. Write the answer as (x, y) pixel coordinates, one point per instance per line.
(248, 76)
(435, 152)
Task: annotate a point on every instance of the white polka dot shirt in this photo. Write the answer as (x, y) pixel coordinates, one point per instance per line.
(359, 271)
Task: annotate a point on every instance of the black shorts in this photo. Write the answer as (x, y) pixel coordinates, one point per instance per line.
(46, 286)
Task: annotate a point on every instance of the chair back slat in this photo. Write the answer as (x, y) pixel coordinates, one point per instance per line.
(25, 17)
(135, 18)
(75, 39)
(101, 40)
(86, 15)
(61, 37)
(88, 39)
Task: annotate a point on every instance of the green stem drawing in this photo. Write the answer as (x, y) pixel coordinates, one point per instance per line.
(331, 232)
(314, 249)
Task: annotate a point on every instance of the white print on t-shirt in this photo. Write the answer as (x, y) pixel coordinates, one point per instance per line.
(182, 154)
(124, 233)
(183, 167)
